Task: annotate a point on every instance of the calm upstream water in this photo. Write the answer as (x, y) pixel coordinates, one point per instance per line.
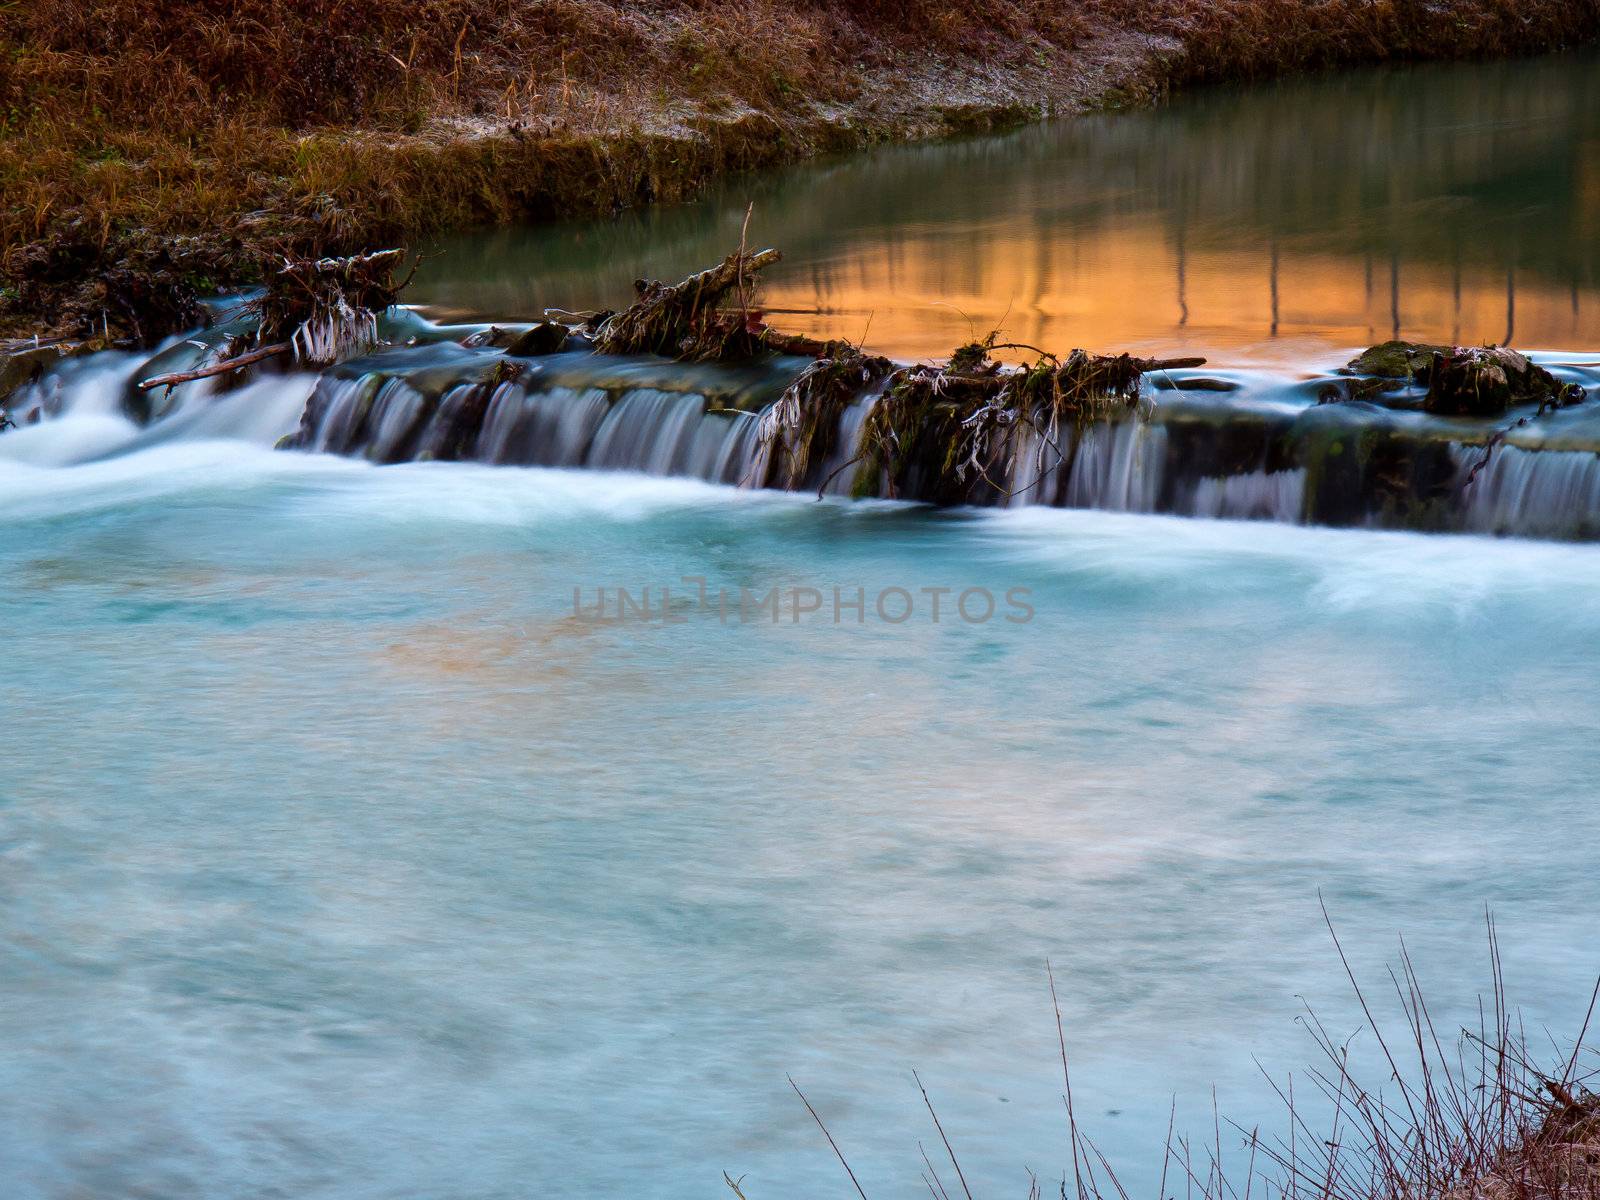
(345, 853)
(1271, 225)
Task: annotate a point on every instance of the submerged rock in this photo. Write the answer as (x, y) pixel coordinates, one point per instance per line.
(495, 337)
(23, 363)
(1193, 383)
(543, 339)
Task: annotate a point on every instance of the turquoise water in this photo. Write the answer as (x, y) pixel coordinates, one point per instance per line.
(343, 853)
(342, 859)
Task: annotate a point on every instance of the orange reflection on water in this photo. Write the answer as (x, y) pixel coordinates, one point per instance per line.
(1130, 284)
(1275, 224)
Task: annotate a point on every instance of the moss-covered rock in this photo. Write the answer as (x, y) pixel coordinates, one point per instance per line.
(1409, 361)
(1482, 381)
(1486, 381)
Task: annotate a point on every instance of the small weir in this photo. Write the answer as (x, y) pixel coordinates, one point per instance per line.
(1245, 445)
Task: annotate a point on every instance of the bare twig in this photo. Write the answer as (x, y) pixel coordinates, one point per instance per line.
(839, 1153)
(948, 1149)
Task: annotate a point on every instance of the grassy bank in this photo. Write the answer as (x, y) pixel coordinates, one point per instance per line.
(150, 151)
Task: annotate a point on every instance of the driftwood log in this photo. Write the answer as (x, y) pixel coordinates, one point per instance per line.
(216, 368)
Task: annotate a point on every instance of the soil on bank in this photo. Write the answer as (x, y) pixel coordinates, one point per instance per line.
(154, 150)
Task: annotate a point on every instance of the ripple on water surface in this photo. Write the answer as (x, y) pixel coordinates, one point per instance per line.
(332, 832)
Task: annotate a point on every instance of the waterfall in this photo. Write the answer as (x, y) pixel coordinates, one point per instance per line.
(1534, 493)
(1261, 452)
(1249, 468)
(1118, 466)
(390, 419)
(1122, 466)
(541, 429)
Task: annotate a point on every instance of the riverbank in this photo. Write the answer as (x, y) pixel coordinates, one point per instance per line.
(151, 154)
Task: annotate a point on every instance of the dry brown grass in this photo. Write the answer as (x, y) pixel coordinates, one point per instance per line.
(112, 65)
(333, 125)
(1244, 39)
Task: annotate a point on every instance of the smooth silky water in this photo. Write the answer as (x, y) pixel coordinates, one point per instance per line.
(341, 856)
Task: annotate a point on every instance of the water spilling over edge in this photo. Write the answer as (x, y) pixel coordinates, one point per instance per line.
(1236, 445)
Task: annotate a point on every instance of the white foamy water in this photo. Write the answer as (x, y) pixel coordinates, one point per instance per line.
(330, 830)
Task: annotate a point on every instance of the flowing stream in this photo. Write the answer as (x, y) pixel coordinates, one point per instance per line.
(491, 797)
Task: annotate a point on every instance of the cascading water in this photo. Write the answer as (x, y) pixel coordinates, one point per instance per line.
(1251, 447)
(602, 421)
(1535, 493)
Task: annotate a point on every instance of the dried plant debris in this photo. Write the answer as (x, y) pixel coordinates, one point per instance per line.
(327, 309)
(687, 320)
(948, 434)
(319, 311)
(1487, 380)
(801, 431)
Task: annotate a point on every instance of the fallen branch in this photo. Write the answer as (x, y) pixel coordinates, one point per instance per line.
(216, 368)
(1146, 365)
